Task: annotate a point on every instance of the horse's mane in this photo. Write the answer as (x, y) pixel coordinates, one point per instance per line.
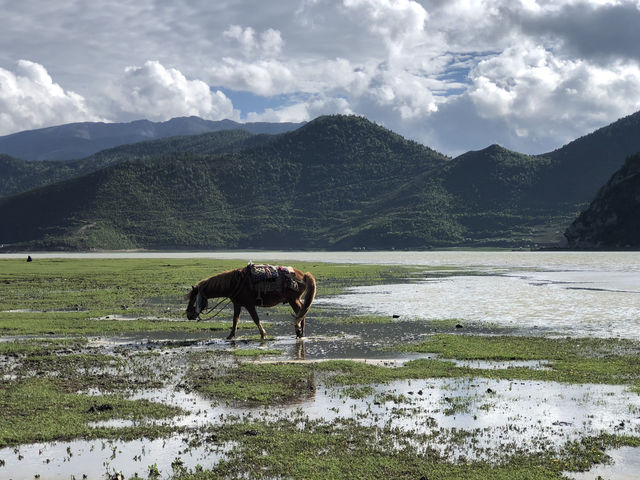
(221, 282)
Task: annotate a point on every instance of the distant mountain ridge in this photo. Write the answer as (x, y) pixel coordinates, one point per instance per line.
(79, 140)
(338, 182)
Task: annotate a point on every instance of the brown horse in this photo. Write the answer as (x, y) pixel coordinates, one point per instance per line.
(241, 288)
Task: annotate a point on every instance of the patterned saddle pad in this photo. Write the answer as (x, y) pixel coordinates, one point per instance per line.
(272, 278)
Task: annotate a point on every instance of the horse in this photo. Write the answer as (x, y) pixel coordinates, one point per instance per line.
(239, 286)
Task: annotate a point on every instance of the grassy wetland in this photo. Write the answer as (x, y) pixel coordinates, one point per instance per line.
(102, 374)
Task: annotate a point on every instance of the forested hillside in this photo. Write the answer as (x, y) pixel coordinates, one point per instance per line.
(339, 182)
(18, 175)
(318, 186)
(613, 218)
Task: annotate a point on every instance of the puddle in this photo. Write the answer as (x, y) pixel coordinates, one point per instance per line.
(97, 459)
(472, 417)
(546, 414)
(498, 414)
(625, 465)
(500, 365)
(130, 318)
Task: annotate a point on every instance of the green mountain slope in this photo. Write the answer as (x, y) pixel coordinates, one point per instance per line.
(310, 188)
(339, 182)
(613, 218)
(581, 167)
(18, 175)
(496, 200)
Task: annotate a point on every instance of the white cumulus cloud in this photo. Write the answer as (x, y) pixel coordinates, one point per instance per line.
(541, 94)
(303, 110)
(158, 93)
(29, 98)
(454, 74)
(268, 43)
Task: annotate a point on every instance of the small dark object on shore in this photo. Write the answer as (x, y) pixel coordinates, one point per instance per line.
(560, 423)
(490, 390)
(100, 408)
(458, 325)
(395, 315)
(29, 259)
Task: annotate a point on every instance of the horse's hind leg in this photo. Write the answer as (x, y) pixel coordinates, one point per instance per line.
(296, 304)
(254, 314)
(236, 317)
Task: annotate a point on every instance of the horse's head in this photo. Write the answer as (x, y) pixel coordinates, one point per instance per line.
(196, 303)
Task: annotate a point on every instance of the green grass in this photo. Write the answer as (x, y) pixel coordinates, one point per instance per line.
(68, 296)
(344, 449)
(75, 367)
(254, 352)
(255, 383)
(43, 401)
(506, 347)
(570, 360)
(79, 324)
(40, 410)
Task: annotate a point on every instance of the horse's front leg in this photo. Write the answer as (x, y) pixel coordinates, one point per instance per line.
(236, 316)
(254, 314)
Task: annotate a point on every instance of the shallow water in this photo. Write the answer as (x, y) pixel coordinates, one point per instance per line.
(568, 293)
(625, 465)
(96, 459)
(500, 415)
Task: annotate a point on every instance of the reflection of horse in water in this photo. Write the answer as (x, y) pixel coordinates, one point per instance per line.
(256, 285)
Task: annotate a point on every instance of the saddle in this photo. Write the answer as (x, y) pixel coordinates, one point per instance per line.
(268, 279)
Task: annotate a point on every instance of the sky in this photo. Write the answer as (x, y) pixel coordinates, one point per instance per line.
(455, 75)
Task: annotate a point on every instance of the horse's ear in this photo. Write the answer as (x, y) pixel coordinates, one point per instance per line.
(187, 296)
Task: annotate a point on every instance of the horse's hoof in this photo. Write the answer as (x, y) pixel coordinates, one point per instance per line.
(231, 337)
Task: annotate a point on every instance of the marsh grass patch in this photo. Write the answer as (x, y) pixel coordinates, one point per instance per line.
(345, 449)
(41, 410)
(254, 383)
(574, 360)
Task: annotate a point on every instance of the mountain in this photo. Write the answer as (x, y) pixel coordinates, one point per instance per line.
(319, 186)
(503, 197)
(17, 175)
(613, 217)
(338, 182)
(79, 140)
(581, 167)
(495, 195)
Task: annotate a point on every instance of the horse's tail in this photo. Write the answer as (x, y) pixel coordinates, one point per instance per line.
(310, 294)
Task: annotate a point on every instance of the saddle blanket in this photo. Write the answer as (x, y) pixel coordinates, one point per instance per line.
(271, 278)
